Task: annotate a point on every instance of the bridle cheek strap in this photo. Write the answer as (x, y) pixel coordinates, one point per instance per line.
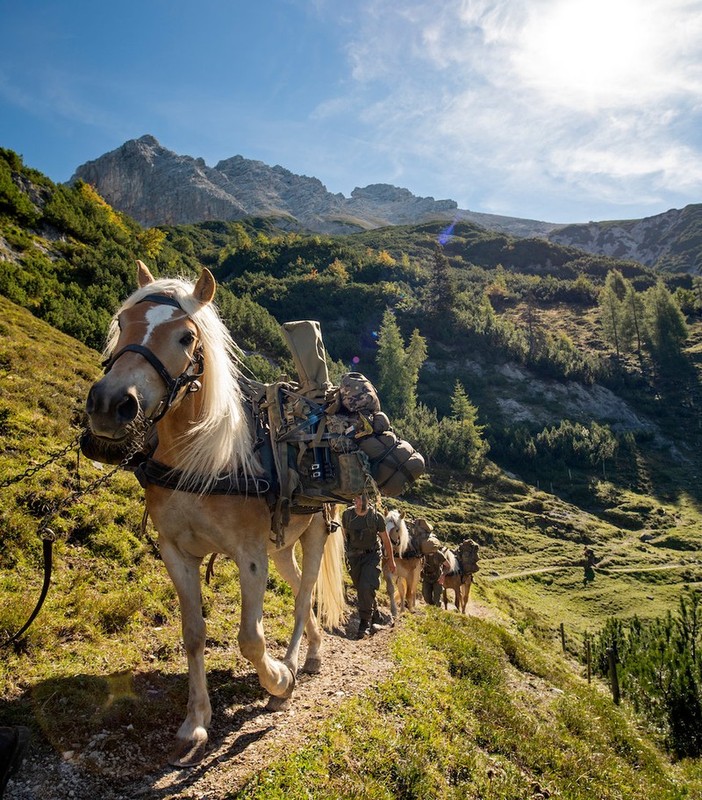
(173, 385)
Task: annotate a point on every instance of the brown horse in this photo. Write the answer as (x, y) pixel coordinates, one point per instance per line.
(171, 362)
(454, 579)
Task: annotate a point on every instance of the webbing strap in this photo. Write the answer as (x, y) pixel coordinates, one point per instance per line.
(47, 553)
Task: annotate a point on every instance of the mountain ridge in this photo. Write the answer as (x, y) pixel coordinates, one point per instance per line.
(156, 186)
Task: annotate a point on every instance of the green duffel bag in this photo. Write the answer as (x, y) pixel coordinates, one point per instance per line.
(394, 463)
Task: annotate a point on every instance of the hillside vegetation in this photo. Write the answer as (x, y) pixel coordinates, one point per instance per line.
(545, 381)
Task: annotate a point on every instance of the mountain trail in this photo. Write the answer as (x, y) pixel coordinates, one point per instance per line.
(244, 738)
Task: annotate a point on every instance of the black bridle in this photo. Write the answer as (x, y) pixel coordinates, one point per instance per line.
(173, 385)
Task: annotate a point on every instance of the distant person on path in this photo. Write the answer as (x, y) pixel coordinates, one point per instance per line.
(13, 746)
(434, 566)
(364, 530)
(590, 561)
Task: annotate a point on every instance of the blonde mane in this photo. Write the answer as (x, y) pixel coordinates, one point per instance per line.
(219, 441)
(454, 563)
(398, 532)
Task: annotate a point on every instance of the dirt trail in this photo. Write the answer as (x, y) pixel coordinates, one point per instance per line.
(243, 740)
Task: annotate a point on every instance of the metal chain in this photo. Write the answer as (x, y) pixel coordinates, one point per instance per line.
(44, 531)
(31, 470)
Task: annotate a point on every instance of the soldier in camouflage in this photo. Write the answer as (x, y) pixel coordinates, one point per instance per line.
(364, 530)
(434, 566)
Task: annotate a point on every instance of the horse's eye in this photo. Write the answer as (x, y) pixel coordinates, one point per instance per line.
(187, 339)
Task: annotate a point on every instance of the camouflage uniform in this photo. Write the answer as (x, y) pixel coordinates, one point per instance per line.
(431, 572)
(363, 556)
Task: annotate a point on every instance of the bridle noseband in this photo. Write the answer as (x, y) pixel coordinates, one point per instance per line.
(173, 385)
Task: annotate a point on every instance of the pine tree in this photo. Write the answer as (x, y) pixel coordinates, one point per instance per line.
(610, 305)
(442, 293)
(398, 369)
(666, 329)
(461, 442)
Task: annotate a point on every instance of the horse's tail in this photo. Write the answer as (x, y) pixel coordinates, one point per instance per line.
(329, 590)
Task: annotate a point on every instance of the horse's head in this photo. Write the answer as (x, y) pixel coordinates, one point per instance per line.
(153, 354)
(397, 531)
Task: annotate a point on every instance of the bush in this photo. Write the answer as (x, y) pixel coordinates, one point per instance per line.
(660, 671)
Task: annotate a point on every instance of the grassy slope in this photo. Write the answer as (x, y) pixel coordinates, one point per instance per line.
(473, 703)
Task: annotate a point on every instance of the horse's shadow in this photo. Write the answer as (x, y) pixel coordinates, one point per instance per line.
(122, 726)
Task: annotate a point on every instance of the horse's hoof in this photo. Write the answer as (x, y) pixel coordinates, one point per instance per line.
(278, 704)
(187, 753)
(312, 665)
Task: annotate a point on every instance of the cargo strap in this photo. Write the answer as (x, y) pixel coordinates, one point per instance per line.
(158, 474)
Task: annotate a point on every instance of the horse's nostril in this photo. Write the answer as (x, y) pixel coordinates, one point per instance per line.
(127, 409)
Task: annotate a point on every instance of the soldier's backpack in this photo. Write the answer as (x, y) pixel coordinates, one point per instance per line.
(468, 556)
(423, 533)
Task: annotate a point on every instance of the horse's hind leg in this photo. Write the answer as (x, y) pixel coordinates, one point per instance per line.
(390, 586)
(276, 677)
(465, 593)
(412, 582)
(191, 739)
(299, 581)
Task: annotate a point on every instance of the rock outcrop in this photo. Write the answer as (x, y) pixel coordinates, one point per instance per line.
(158, 187)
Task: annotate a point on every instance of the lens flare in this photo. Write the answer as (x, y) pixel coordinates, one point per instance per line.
(446, 234)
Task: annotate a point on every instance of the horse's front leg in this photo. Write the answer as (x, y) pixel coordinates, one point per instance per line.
(191, 739)
(275, 677)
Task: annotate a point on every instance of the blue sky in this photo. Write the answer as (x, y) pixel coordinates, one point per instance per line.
(557, 110)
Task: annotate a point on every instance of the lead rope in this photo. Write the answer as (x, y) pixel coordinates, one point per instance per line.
(47, 535)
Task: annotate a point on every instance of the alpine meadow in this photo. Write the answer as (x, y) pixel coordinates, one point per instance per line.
(555, 395)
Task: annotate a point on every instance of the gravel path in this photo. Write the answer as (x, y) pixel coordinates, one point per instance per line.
(243, 738)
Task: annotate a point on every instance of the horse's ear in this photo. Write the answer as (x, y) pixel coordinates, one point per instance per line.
(402, 514)
(144, 277)
(205, 287)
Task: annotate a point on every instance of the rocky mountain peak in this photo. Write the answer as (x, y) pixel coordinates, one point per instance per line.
(157, 186)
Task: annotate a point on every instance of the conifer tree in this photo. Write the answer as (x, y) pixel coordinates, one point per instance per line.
(442, 293)
(610, 305)
(398, 368)
(461, 442)
(666, 329)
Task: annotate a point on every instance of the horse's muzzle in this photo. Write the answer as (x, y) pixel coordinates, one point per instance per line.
(110, 413)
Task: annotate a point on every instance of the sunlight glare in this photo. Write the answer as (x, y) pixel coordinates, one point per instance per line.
(590, 52)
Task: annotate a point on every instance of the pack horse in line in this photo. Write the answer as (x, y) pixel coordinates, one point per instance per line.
(172, 362)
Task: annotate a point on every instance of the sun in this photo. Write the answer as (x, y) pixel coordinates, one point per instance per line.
(588, 51)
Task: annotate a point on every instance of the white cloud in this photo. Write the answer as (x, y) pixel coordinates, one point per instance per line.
(581, 98)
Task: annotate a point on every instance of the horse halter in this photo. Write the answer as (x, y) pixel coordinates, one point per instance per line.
(173, 385)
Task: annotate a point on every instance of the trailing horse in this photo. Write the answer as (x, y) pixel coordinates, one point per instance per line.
(171, 362)
(454, 579)
(408, 565)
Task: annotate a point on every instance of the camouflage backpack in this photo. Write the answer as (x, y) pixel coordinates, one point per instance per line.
(423, 533)
(468, 556)
(357, 393)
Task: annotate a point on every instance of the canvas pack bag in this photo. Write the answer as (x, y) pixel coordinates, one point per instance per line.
(468, 556)
(330, 443)
(394, 463)
(423, 533)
